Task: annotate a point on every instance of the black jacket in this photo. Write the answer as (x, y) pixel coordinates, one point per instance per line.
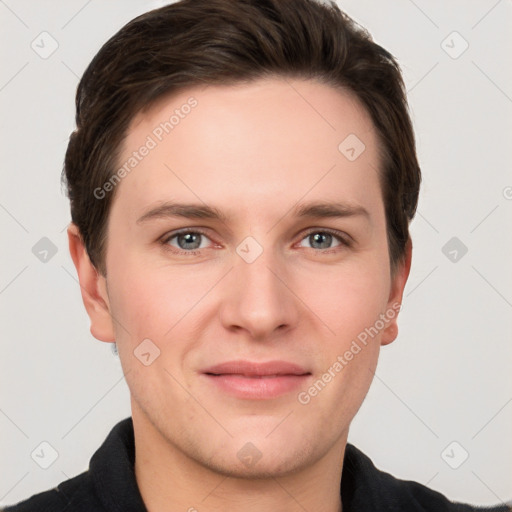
(110, 486)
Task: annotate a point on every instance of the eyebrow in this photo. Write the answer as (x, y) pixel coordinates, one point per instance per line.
(315, 210)
(187, 210)
(330, 210)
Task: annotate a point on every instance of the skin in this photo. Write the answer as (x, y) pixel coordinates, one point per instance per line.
(254, 152)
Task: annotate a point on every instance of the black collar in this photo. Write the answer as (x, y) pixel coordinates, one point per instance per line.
(363, 487)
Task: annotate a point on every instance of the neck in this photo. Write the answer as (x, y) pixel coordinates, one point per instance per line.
(169, 480)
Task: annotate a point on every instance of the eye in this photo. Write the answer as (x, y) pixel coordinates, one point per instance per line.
(324, 239)
(187, 241)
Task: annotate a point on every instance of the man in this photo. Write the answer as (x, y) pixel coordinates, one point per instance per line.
(241, 179)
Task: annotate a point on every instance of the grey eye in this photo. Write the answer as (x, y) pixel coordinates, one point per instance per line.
(321, 240)
(188, 241)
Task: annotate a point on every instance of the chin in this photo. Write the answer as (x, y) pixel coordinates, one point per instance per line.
(258, 457)
(266, 467)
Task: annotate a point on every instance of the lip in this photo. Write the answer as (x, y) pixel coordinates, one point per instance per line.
(257, 381)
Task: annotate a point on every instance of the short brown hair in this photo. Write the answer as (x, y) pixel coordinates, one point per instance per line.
(194, 42)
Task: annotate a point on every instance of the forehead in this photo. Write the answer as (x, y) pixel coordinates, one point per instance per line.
(321, 108)
(247, 142)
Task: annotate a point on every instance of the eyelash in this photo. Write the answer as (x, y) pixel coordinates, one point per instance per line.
(165, 241)
(342, 238)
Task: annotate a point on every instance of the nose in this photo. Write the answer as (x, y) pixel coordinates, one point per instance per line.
(258, 298)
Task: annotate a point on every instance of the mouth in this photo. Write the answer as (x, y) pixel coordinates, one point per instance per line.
(256, 381)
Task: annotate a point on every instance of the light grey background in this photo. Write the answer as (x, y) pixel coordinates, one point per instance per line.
(446, 378)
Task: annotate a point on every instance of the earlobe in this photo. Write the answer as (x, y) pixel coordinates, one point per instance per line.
(398, 283)
(92, 287)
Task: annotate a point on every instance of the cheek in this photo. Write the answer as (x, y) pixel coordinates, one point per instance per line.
(347, 299)
(350, 305)
(148, 307)
(149, 302)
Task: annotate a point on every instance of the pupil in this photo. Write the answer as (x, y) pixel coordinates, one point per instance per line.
(190, 241)
(322, 239)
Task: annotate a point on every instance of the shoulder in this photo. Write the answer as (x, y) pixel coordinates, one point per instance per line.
(368, 488)
(75, 494)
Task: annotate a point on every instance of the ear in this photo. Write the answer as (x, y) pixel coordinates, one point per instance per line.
(93, 287)
(398, 281)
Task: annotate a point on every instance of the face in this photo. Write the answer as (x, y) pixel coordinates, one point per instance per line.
(248, 280)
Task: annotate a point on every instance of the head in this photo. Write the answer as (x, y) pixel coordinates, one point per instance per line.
(264, 115)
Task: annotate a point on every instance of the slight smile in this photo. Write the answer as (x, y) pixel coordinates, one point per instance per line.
(257, 381)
